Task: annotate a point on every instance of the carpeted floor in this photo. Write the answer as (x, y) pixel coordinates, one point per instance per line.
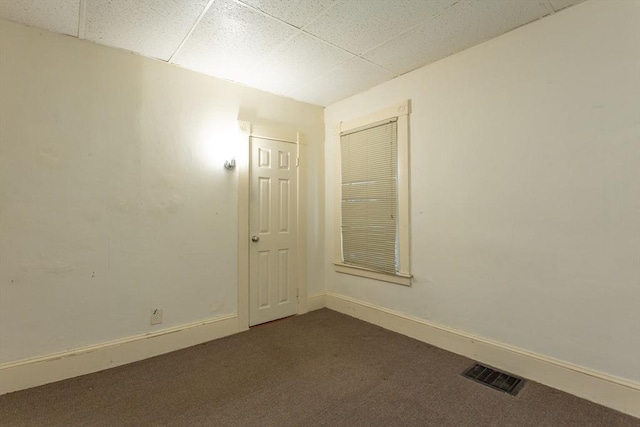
(322, 368)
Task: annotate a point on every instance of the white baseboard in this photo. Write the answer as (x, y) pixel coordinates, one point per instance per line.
(316, 302)
(59, 366)
(615, 393)
(604, 389)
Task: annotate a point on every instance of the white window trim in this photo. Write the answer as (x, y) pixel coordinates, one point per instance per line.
(401, 113)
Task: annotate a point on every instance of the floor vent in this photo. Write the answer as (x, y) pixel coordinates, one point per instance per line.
(495, 379)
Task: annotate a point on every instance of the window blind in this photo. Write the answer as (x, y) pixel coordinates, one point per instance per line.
(369, 168)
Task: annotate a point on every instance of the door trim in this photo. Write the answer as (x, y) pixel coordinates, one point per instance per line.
(248, 130)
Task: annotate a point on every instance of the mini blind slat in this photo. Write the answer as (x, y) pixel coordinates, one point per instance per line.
(369, 197)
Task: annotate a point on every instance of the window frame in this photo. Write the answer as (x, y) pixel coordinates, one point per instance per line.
(400, 112)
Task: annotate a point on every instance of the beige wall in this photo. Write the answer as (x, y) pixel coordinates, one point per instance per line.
(524, 168)
(113, 196)
(525, 189)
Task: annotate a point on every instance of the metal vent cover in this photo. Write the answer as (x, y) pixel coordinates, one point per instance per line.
(495, 379)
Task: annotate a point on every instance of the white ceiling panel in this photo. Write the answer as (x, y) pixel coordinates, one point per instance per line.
(318, 51)
(230, 40)
(465, 24)
(561, 4)
(296, 63)
(59, 16)
(360, 25)
(355, 76)
(295, 12)
(153, 28)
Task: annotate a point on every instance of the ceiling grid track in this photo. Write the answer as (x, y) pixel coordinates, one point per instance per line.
(408, 29)
(329, 48)
(265, 14)
(549, 6)
(298, 30)
(301, 30)
(191, 30)
(82, 9)
(395, 74)
(321, 14)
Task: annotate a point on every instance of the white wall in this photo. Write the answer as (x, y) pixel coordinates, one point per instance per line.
(113, 196)
(525, 189)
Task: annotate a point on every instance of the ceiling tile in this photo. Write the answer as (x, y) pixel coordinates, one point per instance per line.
(153, 28)
(561, 4)
(360, 25)
(463, 25)
(230, 40)
(296, 63)
(295, 12)
(304, 49)
(59, 16)
(355, 76)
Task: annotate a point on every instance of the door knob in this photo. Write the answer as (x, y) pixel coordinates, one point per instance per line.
(255, 239)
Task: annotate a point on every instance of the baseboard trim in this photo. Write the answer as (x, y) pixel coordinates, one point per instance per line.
(615, 393)
(59, 366)
(316, 302)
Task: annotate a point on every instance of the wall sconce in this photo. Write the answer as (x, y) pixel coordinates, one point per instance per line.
(230, 164)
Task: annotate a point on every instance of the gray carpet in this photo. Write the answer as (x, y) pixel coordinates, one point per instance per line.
(319, 369)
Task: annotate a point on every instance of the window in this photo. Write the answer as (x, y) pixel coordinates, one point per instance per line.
(372, 203)
(369, 197)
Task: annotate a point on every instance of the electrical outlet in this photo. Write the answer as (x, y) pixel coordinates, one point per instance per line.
(156, 316)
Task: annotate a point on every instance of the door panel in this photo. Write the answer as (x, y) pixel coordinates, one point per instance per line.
(273, 227)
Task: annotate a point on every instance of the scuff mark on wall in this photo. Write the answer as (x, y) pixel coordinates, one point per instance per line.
(216, 306)
(122, 205)
(49, 156)
(169, 206)
(57, 267)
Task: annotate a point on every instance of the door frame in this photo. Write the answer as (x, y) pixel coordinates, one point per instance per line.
(248, 130)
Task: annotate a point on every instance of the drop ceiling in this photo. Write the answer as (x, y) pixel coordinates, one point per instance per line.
(317, 51)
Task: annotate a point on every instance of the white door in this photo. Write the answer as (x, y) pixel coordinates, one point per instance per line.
(273, 212)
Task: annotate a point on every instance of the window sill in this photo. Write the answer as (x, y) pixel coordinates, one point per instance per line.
(398, 278)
